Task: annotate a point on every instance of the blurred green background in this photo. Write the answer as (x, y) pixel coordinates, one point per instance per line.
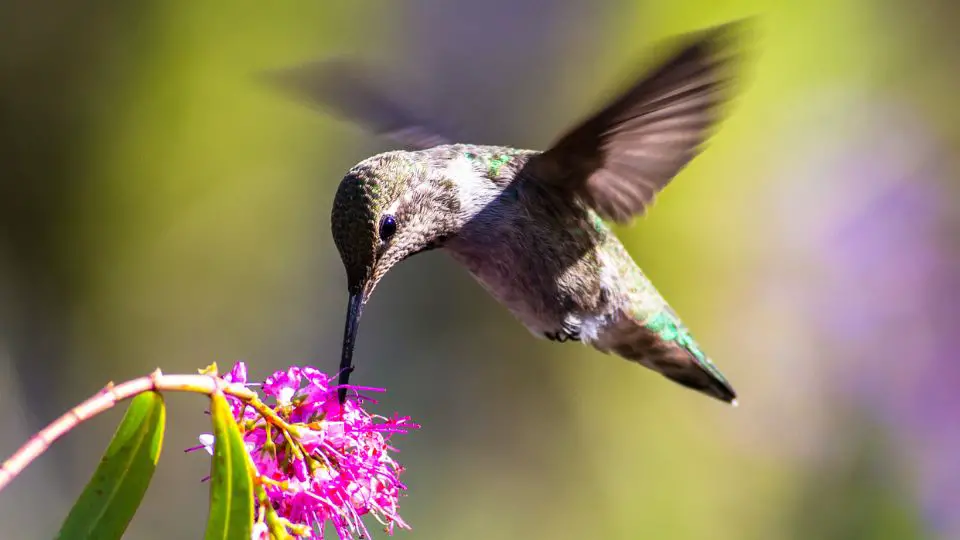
(159, 208)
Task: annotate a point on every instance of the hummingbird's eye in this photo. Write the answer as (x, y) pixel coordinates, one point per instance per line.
(388, 226)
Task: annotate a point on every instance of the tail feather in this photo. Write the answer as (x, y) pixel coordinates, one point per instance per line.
(663, 344)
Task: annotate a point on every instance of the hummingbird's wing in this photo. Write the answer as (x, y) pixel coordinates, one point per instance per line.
(346, 89)
(618, 159)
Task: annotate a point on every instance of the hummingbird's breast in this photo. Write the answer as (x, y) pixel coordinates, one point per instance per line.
(543, 257)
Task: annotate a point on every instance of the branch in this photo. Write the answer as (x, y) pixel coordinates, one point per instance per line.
(105, 400)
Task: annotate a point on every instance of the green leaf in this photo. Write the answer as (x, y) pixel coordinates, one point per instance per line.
(231, 487)
(113, 495)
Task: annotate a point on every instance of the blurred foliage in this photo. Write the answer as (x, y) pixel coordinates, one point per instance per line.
(856, 494)
(159, 207)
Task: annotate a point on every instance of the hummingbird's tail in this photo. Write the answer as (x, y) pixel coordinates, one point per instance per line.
(663, 344)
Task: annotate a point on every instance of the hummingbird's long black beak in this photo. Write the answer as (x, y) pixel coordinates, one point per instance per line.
(354, 309)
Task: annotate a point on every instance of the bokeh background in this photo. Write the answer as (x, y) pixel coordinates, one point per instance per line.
(159, 208)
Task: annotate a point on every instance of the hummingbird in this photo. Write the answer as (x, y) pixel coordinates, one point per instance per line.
(532, 226)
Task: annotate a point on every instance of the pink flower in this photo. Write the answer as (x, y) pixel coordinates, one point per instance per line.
(260, 532)
(326, 463)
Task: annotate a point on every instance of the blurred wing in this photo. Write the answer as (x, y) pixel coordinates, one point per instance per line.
(346, 89)
(619, 159)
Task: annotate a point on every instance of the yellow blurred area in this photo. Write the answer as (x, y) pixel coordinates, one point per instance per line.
(161, 208)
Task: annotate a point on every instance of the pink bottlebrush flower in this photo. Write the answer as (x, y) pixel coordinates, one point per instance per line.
(327, 463)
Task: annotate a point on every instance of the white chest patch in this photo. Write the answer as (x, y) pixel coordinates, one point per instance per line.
(475, 190)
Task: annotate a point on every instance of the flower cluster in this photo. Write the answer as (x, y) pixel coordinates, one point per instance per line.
(317, 461)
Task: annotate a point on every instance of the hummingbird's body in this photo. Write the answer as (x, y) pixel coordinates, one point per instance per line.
(529, 225)
(551, 261)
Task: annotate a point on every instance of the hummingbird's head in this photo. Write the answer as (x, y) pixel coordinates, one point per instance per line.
(387, 208)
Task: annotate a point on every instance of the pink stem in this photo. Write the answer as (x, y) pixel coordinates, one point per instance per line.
(105, 400)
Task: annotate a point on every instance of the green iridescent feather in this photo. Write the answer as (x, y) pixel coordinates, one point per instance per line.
(670, 328)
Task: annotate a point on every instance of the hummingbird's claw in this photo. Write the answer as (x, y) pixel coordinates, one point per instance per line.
(562, 336)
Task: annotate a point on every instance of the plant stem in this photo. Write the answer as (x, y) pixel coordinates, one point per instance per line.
(105, 400)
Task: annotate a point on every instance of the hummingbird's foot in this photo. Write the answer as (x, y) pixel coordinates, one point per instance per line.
(556, 336)
(563, 336)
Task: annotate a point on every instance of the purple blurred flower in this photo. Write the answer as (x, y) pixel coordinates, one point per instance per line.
(321, 463)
